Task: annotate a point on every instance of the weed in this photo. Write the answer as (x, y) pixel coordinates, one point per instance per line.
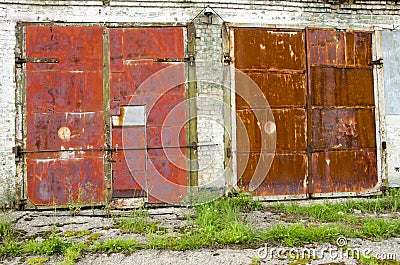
(50, 246)
(255, 261)
(344, 211)
(74, 205)
(6, 229)
(378, 228)
(9, 248)
(137, 223)
(216, 223)
(299, 234)
(245, 202)
(117, 245)
(74, 252)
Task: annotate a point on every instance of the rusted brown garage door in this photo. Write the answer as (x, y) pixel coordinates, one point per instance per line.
(146, 81)
(323, 104)
(343, 112)
(64, 111)
(276, 61)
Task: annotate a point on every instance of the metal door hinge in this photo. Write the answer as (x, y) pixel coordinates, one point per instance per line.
(378, 62)
(17, 150)
(384, 145)
(189, 58)
(227, 59)
(229, 152)
(19, 60)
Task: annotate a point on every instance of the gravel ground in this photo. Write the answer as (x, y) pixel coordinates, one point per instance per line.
(38, 225)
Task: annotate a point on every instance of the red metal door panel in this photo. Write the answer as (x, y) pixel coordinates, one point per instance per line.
(129, 182)
(76, 48)
(64, 112)
(276, 62)
(63, 181)
(343, 112)
(137, 80)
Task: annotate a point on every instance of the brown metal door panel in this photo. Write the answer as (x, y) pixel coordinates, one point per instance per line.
(250, 125)
(344, 171)
(63, 181)
(342, 113)
(272, 84)
(64, 112)
(335, 129)
(339, 48)
(337, 122)
(331, 86)
(286, 176)
(276, 62)
(291, 129)
(76, 48)
(268, 49)
(138, 79)
(129, 179)
(363, 48)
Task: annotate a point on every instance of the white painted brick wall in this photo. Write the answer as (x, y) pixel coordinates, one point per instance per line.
(295, 13)
(393, 149)
(210, 125)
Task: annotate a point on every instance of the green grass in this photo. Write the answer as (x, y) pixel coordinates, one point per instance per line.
(216, 223)
(378, 228)
(300, 234)
(116, 246)
(54, 245)
(137, 223)
(344, 211)
(6, 230)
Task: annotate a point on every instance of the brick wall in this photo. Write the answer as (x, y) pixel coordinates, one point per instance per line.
(295, 13)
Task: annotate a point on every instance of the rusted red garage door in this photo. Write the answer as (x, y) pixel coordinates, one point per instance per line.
(343, 112)
(64, 112)
(323, 108)
(276, 61)
(145, 82)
